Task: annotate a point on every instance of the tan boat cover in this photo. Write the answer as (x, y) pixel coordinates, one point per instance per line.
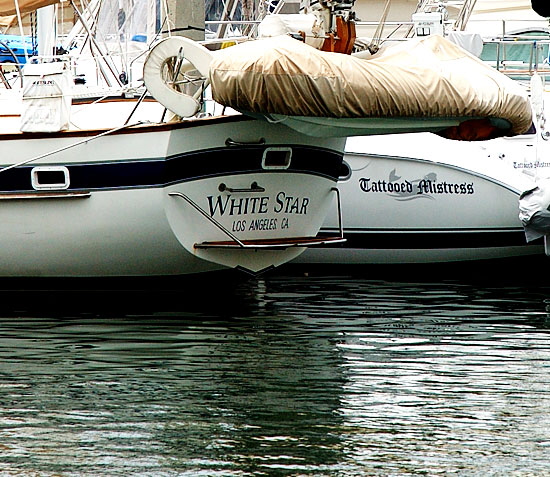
(427, 77)
(7, 7)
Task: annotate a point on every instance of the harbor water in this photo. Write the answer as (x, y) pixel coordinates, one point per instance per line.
(294, 373)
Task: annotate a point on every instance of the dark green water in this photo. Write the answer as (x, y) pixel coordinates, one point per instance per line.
(283, 375)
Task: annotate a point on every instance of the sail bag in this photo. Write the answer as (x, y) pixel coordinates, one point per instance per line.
(46, 98)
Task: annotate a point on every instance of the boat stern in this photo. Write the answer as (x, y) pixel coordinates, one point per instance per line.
(257, 220)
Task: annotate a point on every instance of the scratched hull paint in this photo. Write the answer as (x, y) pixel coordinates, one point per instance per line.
(421, 198)
(82, 205)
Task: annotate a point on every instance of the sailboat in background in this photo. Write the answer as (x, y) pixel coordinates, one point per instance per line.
(423, 198)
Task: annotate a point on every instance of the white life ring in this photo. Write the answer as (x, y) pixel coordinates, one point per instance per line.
(197, 57)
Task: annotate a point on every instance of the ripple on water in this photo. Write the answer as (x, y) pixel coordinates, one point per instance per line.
(283, 375)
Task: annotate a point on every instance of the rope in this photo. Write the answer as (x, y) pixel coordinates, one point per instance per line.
(34, 30)
(374, 45)
(105, 133)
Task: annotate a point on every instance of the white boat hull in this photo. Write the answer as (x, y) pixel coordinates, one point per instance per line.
(434, 200)
(79, 204)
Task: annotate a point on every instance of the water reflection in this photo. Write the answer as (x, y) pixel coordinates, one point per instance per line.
(278, 375)
(441, 378)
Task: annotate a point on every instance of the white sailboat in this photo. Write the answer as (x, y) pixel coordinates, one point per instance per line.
(421, 198)
(101, 180)
(109, 175)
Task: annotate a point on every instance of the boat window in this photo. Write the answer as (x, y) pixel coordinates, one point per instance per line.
(276, 158)
(50, 177)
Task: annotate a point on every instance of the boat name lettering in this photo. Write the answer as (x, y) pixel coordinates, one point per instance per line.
(43, 82)
(263, 224)
(423, 186)
(259, 224)
(384, 186)
(229, 205)
(237, 205)
(530, 165)
(290, 204)
(426, 186)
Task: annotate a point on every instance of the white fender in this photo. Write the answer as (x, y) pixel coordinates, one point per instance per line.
(197, 57)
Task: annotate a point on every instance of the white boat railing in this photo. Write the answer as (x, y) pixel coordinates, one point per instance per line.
(518, 56)
(258, 244)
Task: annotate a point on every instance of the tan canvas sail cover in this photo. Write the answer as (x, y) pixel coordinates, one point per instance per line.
(427, 77)
(8, 7)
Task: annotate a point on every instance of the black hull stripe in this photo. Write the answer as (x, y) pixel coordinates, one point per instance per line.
(180, 168)
(434, 240)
